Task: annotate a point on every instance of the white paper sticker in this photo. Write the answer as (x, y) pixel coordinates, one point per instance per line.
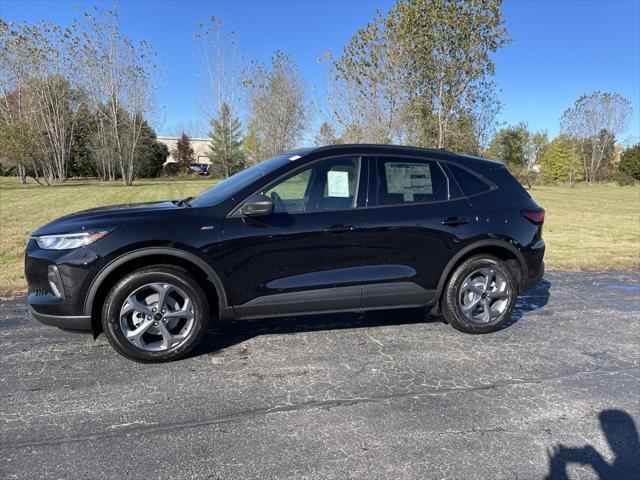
(408, 179)
(337, 184)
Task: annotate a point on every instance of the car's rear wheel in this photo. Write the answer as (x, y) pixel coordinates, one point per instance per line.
(155, 314)
(480, 295)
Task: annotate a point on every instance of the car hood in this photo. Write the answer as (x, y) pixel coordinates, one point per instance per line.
(109, 216)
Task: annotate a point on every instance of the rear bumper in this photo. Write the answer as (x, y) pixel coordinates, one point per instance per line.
(65, 322)
(531, 282)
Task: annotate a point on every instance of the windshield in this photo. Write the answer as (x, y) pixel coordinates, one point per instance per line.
(229, 187)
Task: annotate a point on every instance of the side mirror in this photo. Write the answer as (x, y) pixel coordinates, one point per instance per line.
(257, 206)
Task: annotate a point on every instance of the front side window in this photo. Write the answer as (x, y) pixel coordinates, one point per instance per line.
(326, 185)
(411, 181)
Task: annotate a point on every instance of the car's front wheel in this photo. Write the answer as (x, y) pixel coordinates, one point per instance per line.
(155, 314)
(480, 295)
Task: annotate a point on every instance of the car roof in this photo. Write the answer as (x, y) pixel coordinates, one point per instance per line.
(373, 149)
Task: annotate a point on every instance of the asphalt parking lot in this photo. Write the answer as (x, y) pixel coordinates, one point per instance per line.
(556, 394)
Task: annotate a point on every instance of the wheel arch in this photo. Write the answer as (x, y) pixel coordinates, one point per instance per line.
(501, 249)
(113, 271)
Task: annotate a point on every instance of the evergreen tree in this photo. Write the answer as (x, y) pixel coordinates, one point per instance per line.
(630, 162)
(226, 149)
(81, 162)
(184, 154)
(150, 154)
(251, 145)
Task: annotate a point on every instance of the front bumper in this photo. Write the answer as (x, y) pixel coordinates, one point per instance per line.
(62, 306)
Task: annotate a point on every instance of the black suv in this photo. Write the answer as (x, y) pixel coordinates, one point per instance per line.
(348, 227)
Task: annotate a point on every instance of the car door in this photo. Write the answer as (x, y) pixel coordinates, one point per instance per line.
(308, 255)
(417, 219)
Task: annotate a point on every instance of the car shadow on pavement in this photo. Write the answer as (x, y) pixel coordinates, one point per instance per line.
(228, 333)
(534, 299)
(622, 436)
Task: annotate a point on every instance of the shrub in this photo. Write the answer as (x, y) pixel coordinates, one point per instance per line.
(170, 169)
(622, 179)
(9, 171)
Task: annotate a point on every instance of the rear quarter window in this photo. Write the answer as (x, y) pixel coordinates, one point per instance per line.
(469, 183)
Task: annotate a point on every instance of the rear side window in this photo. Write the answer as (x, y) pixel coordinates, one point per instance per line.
(410, 181)
(469, 183)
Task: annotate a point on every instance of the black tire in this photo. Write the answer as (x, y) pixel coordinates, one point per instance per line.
(163, 274)
(452, 303)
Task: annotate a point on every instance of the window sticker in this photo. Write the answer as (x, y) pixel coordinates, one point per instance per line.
(408, 179)
(337, 184)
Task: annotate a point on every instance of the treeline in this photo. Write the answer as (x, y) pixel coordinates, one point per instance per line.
(74, 101)
(77, 101)
(420, 75)
(585, 150)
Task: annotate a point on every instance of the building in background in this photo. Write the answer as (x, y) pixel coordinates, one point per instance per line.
(200, 148)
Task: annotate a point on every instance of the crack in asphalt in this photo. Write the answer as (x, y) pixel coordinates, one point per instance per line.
(143, 429)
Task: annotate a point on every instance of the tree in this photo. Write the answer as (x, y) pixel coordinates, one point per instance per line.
(560, 161)
(222, 65)
(277, 104)
(151, 154)
(183, 154)
(119, 76)
(630, 162)
(225, 148)
(326, 135)
(250, 146)
(594, 120)
(82, 162)
(520, 149)
(448, 46)
(26, 149)
(369, 82)
(40, 65)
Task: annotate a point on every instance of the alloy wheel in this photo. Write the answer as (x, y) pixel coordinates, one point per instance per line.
(157, 317)
(484, 295)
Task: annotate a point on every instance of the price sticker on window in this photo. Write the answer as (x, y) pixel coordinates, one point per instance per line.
(337, 184)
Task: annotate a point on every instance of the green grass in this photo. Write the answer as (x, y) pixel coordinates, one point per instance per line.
(591, 227)
(23, 208)
(594, 227)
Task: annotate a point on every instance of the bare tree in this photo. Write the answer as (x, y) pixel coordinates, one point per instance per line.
(40, 66)
(277, 101)
(369, 91)
(119, 76)
(221, 63)
(593, 120)
(485, 108)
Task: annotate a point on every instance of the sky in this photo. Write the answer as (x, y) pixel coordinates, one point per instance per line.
(560, 49)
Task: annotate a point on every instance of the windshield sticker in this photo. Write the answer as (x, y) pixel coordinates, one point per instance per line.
(338, 184)
(295, 157)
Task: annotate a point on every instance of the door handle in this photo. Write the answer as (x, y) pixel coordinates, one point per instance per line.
(454, 221)
(339, 229)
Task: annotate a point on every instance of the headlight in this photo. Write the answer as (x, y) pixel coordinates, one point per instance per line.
(64, 241)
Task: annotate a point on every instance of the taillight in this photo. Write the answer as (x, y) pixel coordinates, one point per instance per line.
(535, 215)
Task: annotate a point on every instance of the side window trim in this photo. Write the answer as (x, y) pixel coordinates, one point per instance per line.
(490, 185)
(359, 193)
